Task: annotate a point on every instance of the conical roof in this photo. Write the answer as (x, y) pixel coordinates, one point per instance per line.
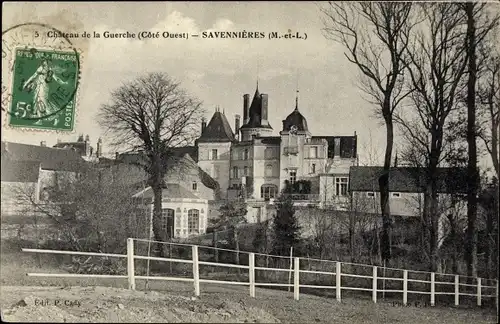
(255, 112)
(217, 130)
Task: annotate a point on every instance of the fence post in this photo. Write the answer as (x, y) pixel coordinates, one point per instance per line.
(130, 264)
(405, 287)
(296, 272)
(478, 291)
(374, 285)
(196, 271)
(457, 290)
(251, 273)
(433, 288)
(496, 294)
(338, 281)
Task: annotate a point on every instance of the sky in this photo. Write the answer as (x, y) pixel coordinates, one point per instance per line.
(216, 71)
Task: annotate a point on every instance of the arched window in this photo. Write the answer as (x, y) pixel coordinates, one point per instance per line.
(268, 191)
(269, 170)
(167, 221)
(193, 221)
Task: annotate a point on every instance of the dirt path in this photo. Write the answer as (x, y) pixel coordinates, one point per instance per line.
(216, 304)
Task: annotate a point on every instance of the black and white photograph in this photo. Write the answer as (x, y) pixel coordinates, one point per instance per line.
(250, 162)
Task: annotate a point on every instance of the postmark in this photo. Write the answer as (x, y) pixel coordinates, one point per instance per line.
(40, 78)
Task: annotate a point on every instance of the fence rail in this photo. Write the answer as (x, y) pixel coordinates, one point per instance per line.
(341, 271)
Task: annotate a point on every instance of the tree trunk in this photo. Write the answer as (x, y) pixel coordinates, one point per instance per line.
(157, 192)
(384, 187)
(472, 172)
(453, 239)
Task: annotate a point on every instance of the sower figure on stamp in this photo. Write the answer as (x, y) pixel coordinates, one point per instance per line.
(39, 82)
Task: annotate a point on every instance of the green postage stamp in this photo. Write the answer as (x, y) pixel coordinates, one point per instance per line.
(44, 86)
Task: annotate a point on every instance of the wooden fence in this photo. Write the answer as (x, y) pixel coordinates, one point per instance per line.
(371, 276)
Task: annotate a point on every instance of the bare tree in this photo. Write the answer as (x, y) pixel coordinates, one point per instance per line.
(479, 25)
(436, 61)
(152, 115)
(489, 123)
(375, 36)
(489, 95)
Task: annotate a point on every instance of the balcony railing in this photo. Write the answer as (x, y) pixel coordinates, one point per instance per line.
(291, 150)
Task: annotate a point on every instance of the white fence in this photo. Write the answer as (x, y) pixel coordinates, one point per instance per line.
(481, 291)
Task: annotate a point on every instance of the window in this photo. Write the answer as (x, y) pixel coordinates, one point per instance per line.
(341, 186)
(313, 152)
(370, 194)
(245, 171)
(214, 154)
(268, 191)
(194, 186)
(193, 221)
(396, 195)
(235, 172)
(313, 168)
(245, 154)
(167, 221)
(293, 177)
(269, 170)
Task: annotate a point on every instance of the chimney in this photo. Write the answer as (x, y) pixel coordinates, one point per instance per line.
(237, 126)
(203, 124)
(87, 138)
(246, 108)
(117, 155)
(58, 140)
(263, 101)
(98, 152)
(43, 143)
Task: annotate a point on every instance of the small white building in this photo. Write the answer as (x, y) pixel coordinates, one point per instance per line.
(183, 213)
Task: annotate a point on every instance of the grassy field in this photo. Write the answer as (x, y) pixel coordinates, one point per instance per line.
(173, 302)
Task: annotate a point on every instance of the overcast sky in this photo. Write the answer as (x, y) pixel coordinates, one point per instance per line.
(217, 71)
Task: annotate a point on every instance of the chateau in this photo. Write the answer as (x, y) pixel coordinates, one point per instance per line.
(249, 163)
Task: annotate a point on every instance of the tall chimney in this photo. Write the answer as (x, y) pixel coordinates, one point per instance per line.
(237, 126)
(203, 124)
(246, 108)
(264, 99)
(43, 143)
(98, 152)
(117, 155)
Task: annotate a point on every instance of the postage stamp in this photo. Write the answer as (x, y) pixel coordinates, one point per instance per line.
(44, 84)
(40, 78)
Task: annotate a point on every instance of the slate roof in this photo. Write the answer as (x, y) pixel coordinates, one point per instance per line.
(407, 179)
(50, 158)
(217, 130)
(295, 119)
(172, 190)
(255, 113)
(348, 145)
(19, 171)
(186, 152)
